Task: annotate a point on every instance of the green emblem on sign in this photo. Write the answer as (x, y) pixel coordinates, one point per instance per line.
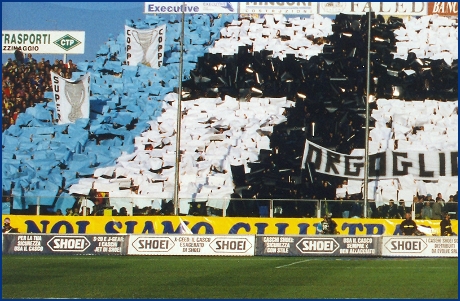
(67, 42)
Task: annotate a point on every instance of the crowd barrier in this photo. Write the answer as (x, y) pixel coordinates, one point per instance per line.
(231, 245)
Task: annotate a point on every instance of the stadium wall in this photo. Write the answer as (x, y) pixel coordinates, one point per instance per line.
(206, 225)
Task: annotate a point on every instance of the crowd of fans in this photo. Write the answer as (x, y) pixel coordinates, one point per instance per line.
(25, 81)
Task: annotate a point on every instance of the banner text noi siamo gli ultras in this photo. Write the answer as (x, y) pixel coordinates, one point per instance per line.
(246, 226)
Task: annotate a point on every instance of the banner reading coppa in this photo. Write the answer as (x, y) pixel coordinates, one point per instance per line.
(206, 225)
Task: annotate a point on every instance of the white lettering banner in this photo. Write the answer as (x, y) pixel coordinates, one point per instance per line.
(71, 98)
(386, 165)
(145, 46)
(191, 245)
(380, 8)
(420, 246)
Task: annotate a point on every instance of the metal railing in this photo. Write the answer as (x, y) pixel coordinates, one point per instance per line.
(231, 207)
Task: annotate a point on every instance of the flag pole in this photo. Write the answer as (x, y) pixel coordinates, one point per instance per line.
(366, 149)
(179, 119)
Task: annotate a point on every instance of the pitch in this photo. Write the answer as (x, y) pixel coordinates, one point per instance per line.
(194, 277)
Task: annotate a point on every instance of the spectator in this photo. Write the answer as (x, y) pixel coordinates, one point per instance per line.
(7, 227)
(418, 206)
(408, 226)
(68, 212)
(446, 226)
(327, 226)
(59, 212)
(75, 212)
(437, 209)
(356, 210)
(451, 207)
(427, 212)
(392, 210)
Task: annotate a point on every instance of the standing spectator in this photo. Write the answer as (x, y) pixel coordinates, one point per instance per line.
(451, 207)
(418, 206)
(356, 210)
(427, 212)
(408, 226)
(446, 226)
(437, 209)
(392, 210)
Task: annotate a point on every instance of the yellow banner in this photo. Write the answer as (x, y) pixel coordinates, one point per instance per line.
(206, 225)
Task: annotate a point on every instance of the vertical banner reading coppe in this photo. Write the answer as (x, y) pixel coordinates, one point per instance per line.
(191, 245)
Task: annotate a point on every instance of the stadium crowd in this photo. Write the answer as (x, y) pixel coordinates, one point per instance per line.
(24, 82)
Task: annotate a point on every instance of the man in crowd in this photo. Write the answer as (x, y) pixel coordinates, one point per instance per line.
(446, 226)
(328, 226)
(408, 226)
(7, 227)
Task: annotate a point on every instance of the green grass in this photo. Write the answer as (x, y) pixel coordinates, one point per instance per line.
(54, 276)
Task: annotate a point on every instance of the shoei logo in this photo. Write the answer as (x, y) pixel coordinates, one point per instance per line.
(317, 245)
(233, 245)
(159, 244)
(68, 244)
(405, 245)
(67, 42)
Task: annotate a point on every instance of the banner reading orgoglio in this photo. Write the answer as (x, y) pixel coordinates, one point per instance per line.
(385, 165)
(71, 97)
(145, 46)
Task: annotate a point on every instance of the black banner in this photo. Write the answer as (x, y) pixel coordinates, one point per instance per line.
(320, 245)
(72, 244)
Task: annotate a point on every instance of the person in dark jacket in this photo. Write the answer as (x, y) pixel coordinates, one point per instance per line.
(408, 226)
(446, 226)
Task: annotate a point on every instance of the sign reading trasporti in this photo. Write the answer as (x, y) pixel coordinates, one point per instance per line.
(37, 41)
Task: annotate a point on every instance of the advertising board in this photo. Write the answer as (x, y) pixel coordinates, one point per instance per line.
(73, 244)
(190, 7)
(297, 8)
(43, 41)
(420, 246)
(381, 8)
(320, 245)
(209, 245)
(443, 8)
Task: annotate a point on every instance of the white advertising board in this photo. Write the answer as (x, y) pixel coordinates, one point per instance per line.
(420, 246)
(380, 8)
(297, 8)
(38, 41)
(190, 7)
(191, 245)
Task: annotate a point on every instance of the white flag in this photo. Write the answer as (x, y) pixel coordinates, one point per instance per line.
(145, 46)
(71, 97)
(183, 229)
